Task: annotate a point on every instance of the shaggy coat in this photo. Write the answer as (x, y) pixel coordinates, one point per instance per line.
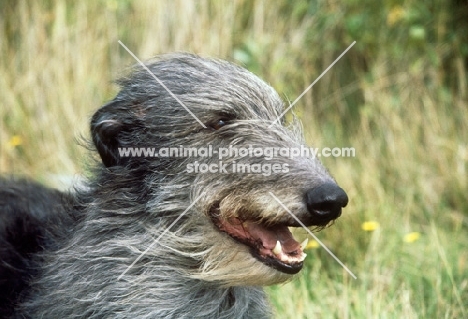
(68, 255)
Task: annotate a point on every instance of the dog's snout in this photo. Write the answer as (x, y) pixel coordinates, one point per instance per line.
(325, 202)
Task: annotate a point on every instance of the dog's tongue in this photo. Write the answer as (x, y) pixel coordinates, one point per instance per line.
(267, 236)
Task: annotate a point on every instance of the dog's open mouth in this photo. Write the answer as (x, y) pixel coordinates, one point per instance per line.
(273, 245)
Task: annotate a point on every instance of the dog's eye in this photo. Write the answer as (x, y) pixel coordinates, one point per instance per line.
(219, 124)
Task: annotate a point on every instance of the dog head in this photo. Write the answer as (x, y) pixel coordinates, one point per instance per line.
(243, 202)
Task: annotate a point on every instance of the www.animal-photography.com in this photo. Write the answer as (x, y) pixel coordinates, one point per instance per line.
(233, 159)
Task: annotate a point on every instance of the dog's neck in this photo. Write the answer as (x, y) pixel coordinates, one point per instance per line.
(210, 302)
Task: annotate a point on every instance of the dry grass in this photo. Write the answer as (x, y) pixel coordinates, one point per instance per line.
(398, 97)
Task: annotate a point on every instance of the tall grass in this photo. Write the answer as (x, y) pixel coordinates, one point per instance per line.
(399, 97)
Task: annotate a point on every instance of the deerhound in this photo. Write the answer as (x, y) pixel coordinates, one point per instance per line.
(169, 236)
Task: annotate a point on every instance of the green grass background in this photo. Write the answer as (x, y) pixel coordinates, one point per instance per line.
(399, 97)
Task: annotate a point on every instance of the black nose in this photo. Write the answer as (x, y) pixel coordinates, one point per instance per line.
(325, 201)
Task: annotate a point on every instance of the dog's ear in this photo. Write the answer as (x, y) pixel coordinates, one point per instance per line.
(107, 124)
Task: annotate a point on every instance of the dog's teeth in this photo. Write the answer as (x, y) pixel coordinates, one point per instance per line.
(278, 249)
(304, 243)
(304, 255)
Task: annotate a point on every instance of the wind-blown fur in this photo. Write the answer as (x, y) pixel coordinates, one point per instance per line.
(194, 270)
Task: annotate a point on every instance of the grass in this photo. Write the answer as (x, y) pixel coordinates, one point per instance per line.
(399, 97)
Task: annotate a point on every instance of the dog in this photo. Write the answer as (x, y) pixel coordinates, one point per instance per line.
(156, 233)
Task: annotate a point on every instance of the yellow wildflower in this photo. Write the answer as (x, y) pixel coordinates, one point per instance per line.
(15, 140)
(312, 244)
(395, 15)
(370, 225)
(412, 237)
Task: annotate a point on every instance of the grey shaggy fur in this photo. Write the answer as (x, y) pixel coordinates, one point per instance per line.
(195, 270)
